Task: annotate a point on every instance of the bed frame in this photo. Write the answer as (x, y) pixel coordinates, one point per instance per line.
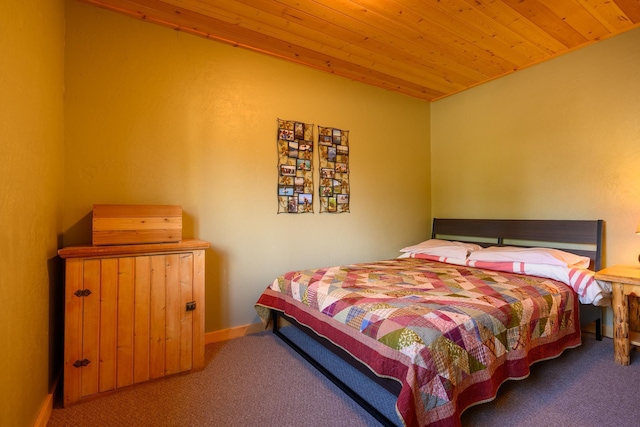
(576, 236)
(579, 237)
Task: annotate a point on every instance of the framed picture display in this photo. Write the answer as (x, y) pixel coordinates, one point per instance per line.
(295, 167)
(333, 153)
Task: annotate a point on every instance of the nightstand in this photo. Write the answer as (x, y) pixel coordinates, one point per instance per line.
(625, 280)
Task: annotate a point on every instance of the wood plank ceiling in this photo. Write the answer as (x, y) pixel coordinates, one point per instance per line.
(427, 49)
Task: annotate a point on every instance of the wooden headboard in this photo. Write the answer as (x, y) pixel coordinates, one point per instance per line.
(582, 237)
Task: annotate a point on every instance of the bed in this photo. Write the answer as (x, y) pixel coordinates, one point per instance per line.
(447, 322)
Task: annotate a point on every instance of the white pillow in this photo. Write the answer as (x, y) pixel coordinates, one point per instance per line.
(530, 255)
(443, 248)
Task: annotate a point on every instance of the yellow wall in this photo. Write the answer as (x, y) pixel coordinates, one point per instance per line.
(159, 116)
(560, 140)
(151, 115)
(31, 137)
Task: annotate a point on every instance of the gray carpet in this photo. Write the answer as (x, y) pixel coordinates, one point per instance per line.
(258, 381)
(583, 387)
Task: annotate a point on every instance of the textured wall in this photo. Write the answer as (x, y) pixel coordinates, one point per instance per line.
(158, 116)
(31, 138)
(560, 140)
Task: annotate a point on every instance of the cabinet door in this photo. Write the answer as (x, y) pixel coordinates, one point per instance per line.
(125, 315)
(179, 322)
(72, 329)
(130, 322)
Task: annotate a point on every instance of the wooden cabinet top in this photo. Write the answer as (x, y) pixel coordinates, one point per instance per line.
(118, 250)
(629, 274)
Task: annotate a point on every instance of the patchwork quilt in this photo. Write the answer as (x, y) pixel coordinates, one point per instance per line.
(449, 334)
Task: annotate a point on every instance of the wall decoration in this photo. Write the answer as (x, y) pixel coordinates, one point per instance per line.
(295, 167)
(333, 151)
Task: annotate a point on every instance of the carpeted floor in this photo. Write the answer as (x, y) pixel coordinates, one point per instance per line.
(250, 381)
(258, 381)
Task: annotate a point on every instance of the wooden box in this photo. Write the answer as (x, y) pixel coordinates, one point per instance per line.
(136, 224)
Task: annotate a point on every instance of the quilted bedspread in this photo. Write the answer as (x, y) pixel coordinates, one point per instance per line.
(450, 334)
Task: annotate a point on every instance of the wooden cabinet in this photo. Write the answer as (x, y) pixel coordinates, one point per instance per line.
(133, 313)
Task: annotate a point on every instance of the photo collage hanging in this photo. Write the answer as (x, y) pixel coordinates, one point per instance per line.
(333, 151)
(295, 168)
